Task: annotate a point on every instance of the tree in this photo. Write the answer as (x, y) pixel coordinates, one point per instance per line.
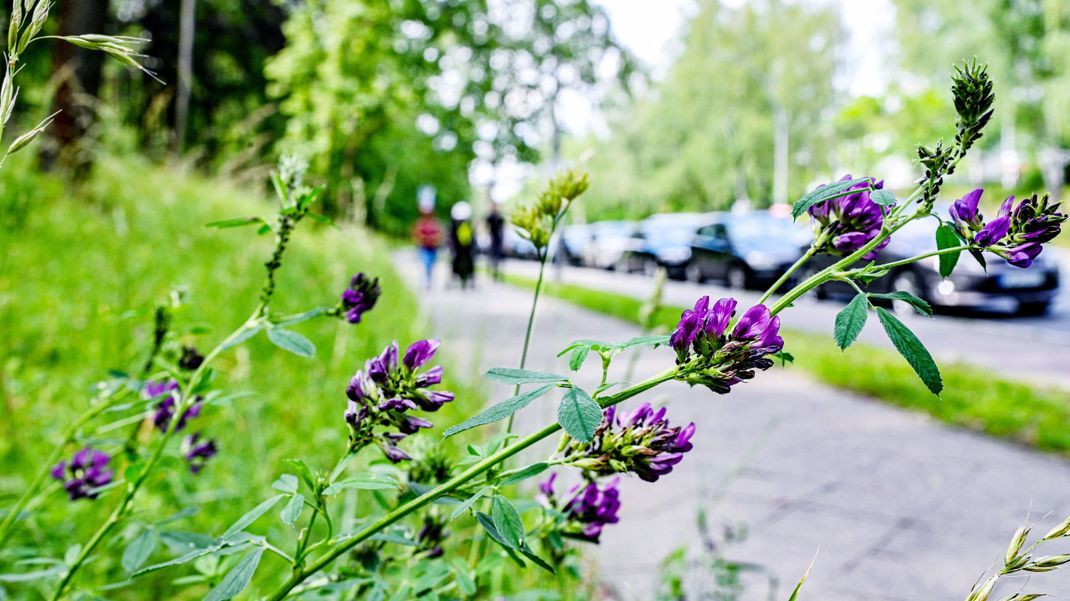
(475, 79)
(746, 77)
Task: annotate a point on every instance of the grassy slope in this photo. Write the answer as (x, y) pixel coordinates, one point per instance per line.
(79, 277)
(972, 398)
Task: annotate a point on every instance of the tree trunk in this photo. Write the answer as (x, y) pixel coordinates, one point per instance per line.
(186, 32)
(78, 74)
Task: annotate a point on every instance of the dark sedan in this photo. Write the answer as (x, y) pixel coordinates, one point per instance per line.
(749, 250)
(1002, 288)
(663, 241)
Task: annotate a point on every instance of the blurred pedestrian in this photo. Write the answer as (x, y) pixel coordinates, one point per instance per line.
(496, 233)
(427, 233)
(462, 242)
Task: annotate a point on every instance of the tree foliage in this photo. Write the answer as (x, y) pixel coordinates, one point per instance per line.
(706, 136)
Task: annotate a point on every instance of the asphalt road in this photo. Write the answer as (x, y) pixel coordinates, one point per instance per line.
(1037, 348)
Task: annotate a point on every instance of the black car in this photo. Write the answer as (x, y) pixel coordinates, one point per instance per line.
(1001, 288)
(749, 250)
(663, 241)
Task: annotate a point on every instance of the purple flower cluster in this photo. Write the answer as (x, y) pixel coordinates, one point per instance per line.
(642, 442)
(587, 510)
(709, 355)
(381, 393)
(359, 297)
(847, 223)
(167, 393)
(198, 451)
(1017, 234)
(86, 472)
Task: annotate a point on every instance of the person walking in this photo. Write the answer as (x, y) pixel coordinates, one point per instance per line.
(496, 233)
(462, 243)
(427, 233)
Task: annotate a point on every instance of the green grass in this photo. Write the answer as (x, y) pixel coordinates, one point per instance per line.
(80, 273)
(972, 398)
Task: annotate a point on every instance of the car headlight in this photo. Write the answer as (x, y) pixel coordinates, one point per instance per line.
(760, 260)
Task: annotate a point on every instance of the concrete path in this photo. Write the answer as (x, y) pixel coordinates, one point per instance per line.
(901, 508)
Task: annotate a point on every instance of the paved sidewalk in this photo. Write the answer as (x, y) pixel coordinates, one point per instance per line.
(902, 508)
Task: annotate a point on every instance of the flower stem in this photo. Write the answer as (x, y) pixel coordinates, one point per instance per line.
(810, 252)
(920, 257)
(134, 485)
(452, 484)
(8, 525)
(530, 329)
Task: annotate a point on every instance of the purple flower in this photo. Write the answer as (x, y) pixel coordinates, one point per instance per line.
(431, 536)
(165, 408)
(198, 451)
(359, 297)
(379, 396)
(1017, 232)
(589, 508)
(848, 223)
(84, 474)
(642, 442)
(420, 352)
(708, 355)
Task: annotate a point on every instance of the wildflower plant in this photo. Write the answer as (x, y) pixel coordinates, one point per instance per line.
(403, 541)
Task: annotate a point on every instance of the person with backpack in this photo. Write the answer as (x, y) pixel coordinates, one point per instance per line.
(462, 243)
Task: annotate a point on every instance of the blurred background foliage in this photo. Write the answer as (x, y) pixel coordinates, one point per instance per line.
(391, 96)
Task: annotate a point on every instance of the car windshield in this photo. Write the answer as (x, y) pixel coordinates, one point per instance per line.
(613, 229)
(763, 231)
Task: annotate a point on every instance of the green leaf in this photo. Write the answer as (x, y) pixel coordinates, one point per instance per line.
(238, 577)
(468, 503)
(250, 517)
(289, 340)
(524, 473)
(507, 521)
(980, 257)
(465, 582)
(579, 355)
(784, 357)
(899, 295)
(912, 350)
(292, 511)
(947, 238)
(500, 411)
(362, 482)
(644, 341)
(285, 483)
(139, 550)
(290, 320)
(511, 375)
(823, 193)
(579, 414)
(245, 334)
(530, 554)
(883, 197)
(186, 558)
(234, 222)
(488, 524)
(850, 321)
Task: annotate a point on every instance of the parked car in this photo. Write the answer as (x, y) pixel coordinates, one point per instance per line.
(1002, 288)
(517, 246)
(664, 241)
(749, 250)
(609, 241)
(571, 244)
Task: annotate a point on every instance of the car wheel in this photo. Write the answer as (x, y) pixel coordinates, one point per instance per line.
(906, 281)
(693, 273)
(649, 267)
(736, 278)
(1034, 309)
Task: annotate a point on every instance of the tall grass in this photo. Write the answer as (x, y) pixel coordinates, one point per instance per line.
(80, 274)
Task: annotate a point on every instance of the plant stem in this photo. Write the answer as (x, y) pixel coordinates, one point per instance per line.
(452, 484)
(7, 527)
(134, 485)
(810, 252)
(917, 258)
(530, 328)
